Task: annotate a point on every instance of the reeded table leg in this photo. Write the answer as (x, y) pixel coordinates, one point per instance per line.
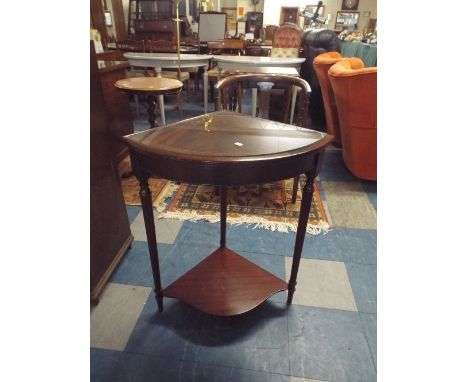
(147, 206)
(307, 193)
(223, 212)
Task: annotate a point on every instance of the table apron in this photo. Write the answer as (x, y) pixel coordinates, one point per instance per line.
(168, 63)
(226, 173)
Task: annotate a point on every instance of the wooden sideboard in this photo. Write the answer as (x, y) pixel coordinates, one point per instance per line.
(117, 105)
(110, 234)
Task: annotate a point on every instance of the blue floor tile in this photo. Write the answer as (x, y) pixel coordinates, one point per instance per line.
(143, 368)
(369, 323)
(243, 238)
(272, 264)
(328, 345)
(371, 190)
(135, 267)
(341, 244)
(132, 212)
(334, 169)
(200, 234)
(106, 366)
(256, 340)
(363, 278)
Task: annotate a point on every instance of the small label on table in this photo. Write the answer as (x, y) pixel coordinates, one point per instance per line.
(239, 144)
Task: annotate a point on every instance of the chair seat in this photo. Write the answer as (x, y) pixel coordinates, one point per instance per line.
(213, 73)
(184, 76)
(136, 73)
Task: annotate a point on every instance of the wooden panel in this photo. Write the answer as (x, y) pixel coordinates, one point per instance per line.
(98, 20)
(110, 230)
(120, 119)
(119, 20)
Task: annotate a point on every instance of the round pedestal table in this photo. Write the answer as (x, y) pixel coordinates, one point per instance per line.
(150, 87)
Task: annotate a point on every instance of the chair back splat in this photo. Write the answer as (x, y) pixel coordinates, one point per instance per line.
(230, 93)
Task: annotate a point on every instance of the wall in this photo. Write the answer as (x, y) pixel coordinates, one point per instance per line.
(272, 10)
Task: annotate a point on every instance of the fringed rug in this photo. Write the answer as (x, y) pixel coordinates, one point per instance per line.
(160, 188)
(263, 206)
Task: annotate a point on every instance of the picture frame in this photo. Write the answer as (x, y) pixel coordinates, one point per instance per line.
(231, 17)
(108, 18)
(289, 15)
(350, 5)
(311, 8)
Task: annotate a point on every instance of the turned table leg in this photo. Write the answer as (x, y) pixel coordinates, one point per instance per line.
(307, 193)
(223, 212)
(147, 206)
(151, 99)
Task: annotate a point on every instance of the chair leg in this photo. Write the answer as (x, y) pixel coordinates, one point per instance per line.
(179, 103)
(295, 187)
(189, 95)
(135, 98)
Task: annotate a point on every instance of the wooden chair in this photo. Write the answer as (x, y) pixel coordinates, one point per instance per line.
(233, 47)
(229, 90)
(287, 35)
(269, 31)
(287, 43)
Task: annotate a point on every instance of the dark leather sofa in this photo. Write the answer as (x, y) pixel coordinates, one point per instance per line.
(315, 42)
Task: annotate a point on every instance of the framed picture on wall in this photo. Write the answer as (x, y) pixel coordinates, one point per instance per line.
(350, 5)
(313, 7)
(289, 15)
(108, 17)
(231, 17)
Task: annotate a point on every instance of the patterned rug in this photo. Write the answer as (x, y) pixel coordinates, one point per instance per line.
(160, 188)
(265, 206)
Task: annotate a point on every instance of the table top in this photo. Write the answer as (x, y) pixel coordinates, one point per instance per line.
(259, 60)
(149, 84)
(228, 148)
(167, 60)
(245, 69)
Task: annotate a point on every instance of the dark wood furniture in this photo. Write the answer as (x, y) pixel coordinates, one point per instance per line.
(110, 231)
(234, 47)
(150, 87)
(225, 149)
(151, 19)
(117, 105)
(255, 49)
(230, 93)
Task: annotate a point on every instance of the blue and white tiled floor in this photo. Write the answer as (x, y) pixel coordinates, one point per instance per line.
(328, 334)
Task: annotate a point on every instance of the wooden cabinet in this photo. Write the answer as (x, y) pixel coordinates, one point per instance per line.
(110, 231)
(117, 105)
(152, 19)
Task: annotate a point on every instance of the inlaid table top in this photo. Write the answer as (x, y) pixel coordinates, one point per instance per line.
(149, 84)
(230, 148)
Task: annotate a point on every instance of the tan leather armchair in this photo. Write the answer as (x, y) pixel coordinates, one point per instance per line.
(322, 63)
(355, 91)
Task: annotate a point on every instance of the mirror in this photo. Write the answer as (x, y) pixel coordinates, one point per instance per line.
(346, 19)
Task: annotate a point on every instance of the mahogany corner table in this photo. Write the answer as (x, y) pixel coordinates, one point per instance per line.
(225, 149)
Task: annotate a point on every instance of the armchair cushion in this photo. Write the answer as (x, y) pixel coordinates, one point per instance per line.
(284, 52)
(322, 63)
(355, 92)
